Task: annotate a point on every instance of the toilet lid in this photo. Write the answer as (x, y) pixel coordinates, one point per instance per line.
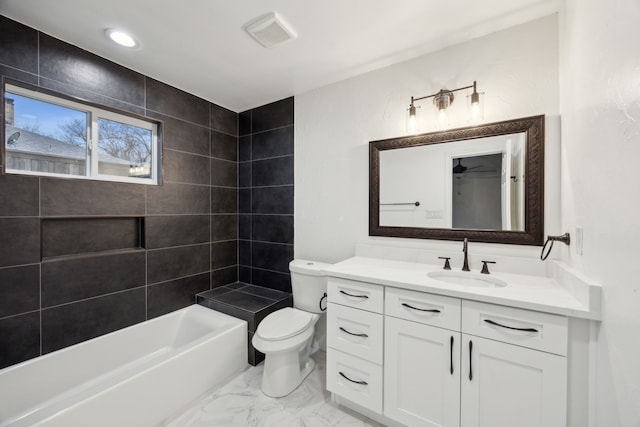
(284, 323)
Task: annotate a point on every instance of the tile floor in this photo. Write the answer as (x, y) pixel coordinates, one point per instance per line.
(241, 403)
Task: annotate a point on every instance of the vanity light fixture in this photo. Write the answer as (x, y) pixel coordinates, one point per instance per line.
(442, 100)
(121, 38)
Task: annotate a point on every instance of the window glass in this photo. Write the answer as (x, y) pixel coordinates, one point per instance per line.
(44, 137)
(124, 149)
(49, 135)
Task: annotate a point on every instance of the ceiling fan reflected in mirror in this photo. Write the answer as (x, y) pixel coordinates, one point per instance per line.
(460, 168)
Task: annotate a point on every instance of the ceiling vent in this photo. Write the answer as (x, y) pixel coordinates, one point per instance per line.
(270, 30)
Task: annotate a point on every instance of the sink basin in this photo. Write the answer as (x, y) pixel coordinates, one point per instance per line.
(469, 279)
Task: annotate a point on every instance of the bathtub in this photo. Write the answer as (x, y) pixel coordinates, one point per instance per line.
(137, 376)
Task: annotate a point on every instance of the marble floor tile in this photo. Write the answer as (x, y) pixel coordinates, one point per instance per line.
(241, 403)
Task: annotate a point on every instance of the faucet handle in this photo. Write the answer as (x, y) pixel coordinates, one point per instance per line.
(446, 259)
(485, 268)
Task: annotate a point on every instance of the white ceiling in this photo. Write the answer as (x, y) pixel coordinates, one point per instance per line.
(199, 45)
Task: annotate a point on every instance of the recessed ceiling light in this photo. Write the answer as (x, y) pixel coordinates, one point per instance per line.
(120, 37)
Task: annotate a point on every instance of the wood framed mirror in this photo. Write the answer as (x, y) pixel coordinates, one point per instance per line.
(483, 182)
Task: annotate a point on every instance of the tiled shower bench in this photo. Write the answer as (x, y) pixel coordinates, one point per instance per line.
(247, 302)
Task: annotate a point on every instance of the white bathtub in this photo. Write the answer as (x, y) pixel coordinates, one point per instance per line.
(137, 376)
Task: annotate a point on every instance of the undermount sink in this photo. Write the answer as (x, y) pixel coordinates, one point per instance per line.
(462, 278)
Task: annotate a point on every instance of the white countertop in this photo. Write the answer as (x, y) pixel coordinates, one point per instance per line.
(558, 295)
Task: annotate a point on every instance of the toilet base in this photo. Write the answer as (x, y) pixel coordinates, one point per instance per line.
(282, 373)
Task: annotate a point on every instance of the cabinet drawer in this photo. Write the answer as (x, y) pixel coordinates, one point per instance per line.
(356, 332)
(532, 329)
(430, 309)
(365, 296)
(355, 379)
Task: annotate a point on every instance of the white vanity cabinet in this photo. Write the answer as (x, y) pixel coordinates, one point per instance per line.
(422, 358)
(444, 361)
(514, 367)
(355, 342)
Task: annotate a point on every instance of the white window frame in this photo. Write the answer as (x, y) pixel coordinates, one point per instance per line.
(94, 113)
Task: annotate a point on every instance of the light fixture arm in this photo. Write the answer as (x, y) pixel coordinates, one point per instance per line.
(442, 100)
(443, 92)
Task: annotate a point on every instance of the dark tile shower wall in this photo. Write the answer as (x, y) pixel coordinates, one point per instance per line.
(265, 195)
(190, 221)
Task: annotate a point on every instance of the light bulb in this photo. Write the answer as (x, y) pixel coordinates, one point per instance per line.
(412, 119)
(475, 111)
(412, 123)
(442, 117)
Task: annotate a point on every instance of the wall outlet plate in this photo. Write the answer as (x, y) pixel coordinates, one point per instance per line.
(578, 239)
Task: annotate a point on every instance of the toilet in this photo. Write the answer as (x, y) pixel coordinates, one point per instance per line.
(285, 336)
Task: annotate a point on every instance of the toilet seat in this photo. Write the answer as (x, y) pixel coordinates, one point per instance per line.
(285, 323)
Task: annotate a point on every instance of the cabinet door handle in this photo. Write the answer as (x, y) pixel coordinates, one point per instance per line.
(352, 295)
(353, 381)
(491, 322)
(470, 360)
(353, 333)
(451, 357)
(429, 310)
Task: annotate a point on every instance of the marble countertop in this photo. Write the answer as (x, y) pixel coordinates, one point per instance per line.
(568, 296)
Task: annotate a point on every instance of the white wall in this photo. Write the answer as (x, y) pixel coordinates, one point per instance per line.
(517, 69)
(600, 104)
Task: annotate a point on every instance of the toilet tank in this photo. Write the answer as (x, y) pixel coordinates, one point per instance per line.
(308, 284)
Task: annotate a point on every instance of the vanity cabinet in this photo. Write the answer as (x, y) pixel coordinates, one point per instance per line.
(355, 342)
(422, 358)
(421, 374)
(505, 385)
(444, 361)
(514, 367)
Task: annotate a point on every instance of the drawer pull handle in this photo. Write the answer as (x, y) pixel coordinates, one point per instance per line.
(451, 369)
(470, 360)
(491, 322)
(430, 310)
(353, 381)
(352, 295)
(353, 333)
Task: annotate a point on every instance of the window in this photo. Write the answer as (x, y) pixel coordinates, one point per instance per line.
(51, 136)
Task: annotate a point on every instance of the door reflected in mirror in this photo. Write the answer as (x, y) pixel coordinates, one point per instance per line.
(483, 182)
(472, 184)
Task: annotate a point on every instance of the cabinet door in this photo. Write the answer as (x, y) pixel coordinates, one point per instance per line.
(505, 385)
(421, 374)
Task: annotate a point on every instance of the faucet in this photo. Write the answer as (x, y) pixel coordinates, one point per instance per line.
(465, 265)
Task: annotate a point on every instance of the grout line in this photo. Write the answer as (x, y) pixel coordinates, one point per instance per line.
(270, 186)
(94, 297)
(207, 156)
(40, 263)
(21, 314)
(282, 156)
(180, 278)
(23, 71)
(264, 269)
(146, 251)
(187, 183)
(38, 59)
(176, 214)
(267, 130)
(6, 267)
(266, 241)
(40, 303)
(144, 95)
(188, 121)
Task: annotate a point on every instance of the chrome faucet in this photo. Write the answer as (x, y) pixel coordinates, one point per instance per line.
(465, 265)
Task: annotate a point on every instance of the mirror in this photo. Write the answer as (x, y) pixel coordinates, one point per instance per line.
(483, 182)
